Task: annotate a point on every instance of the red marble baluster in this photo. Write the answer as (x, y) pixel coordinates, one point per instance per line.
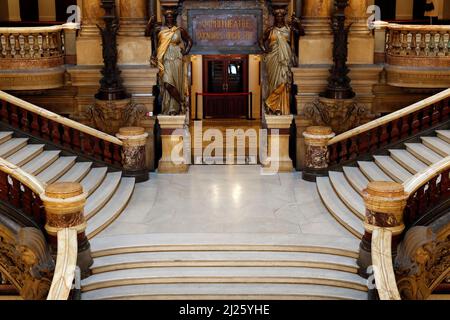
(117, 154)
(87, 144)
(27, 201)
(445, 185)
(364, 140)
(373, 143)
(395, 132)
(38, 210)
(45, 130)
(107, 155)
(422, 202)
(15, 193)
(25, 124)
(415, 124)
(445, 111)
(76, 141)
(56, 135)
(384, 136)
(98, 153)
(14, 121)
(404, 129)
(343, 154)
(4, 186)
(4, 111)
(353, 150)
(67, 141)
(35, 124)
(425, 120)
(332, 150)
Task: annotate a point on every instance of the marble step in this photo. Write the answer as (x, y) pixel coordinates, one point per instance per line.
(41, 162)
(223, 259)
(26, 154)
(437, 145)
(287, 275)
(423, 153)
(106, 215)
(224, 291)
(93, 179)
(347, 194)
(77, 172)
(12, 146)
(56, 169)
(338, 209)
(356, 178)
(444, 135)
(5, 136)
(408, 161)
(102, 194)
(393, 168)
(372, 171)
(112, 245)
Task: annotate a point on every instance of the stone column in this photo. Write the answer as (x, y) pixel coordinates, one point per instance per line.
(89, 43)
(317, 155)
(148, 123)
(64, 207)
(133, 152)
(173, 145)
(385, 203)
(278, 159)
(91, 16)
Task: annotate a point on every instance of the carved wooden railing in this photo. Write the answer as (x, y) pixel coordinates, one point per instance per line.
(60, 130)
(22, 191)
(33, 47)
(405, 44)
(66, 262)
(390, 129)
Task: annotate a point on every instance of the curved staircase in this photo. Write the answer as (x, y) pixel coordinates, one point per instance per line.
(341, 191)
(224, 266)
(108, 192)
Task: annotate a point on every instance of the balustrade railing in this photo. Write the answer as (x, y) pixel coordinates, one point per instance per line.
(33, 47)
(407, 43)
(390, 129)
(62, 131)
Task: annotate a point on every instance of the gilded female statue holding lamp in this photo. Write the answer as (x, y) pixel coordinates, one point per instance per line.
(171, 43)
(279, 58)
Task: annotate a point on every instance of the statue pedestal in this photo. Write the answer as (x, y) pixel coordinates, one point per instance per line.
(172, 137)
(110, 115)
(278, 159)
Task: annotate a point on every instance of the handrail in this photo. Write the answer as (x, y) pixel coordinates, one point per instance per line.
(24, 177)
(59, 119)
(415, 182)
(65, 26)
(382, 264)
(66, 262)
(396, 26)
(391, 117)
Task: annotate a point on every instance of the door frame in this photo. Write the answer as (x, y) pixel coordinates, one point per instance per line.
(207, 58)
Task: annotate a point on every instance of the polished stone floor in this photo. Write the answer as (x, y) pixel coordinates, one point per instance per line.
(226, 199)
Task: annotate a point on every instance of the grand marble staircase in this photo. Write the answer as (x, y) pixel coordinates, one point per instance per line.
(108, 192)
(341, 191)
(224, 266)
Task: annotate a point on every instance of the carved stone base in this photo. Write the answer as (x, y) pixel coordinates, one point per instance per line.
(111, 115)
(278, 159)
(172, 137)
(133, 152)
(341, 115)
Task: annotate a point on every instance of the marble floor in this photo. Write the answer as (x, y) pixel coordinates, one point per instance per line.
(226, 199)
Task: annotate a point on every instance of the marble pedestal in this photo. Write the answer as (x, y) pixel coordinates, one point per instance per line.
(278, 159)
(172, 138)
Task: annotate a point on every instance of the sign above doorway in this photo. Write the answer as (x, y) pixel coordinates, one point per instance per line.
(221, 31)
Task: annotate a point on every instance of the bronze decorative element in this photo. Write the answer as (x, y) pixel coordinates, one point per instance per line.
(171, 43)
(279, 59)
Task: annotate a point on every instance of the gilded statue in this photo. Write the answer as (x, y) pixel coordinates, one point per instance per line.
(279, 58)
(171, 43)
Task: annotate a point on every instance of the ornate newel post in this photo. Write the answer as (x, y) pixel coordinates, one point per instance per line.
(64, 207)
(385, 203)
(133, 152)
(112, 100)
(317, 155)
(278, 131)
(173, 144)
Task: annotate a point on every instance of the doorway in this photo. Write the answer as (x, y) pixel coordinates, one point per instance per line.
(225, 83)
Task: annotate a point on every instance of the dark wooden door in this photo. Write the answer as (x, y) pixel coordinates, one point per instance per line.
(225, 83)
